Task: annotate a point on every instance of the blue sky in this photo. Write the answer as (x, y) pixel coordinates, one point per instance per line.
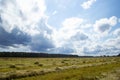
(82, 27)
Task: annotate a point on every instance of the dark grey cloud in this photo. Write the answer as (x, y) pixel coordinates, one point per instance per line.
(41, 43)
(0, 19)
(15, 37)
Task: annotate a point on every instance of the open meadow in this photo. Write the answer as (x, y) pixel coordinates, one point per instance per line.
(99, 68)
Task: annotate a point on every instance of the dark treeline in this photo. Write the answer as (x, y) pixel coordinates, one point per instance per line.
(42, 55)
(118, 54)
(28, 54)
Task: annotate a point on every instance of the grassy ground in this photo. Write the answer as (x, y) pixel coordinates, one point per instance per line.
(85, 73)
(57, 68)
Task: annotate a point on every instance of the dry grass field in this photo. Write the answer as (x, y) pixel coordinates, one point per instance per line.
(101, 68)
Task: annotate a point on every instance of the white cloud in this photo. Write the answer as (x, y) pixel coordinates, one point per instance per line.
(70, 26)
(27, 17)
(23, 14)
(108, 47)
(88, 40)
(84, 40)
(117, 32)
(55, 12)
(79, 36)
(33, 10)
(88, 4)
(68, 29)
(104, 25)
(72, 22)
(72, 36)
(75, 35)
(112, 45)
(110, 42)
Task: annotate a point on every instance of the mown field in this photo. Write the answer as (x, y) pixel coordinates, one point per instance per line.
(101, 68)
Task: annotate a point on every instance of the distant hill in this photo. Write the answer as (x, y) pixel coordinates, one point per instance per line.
(28, 54)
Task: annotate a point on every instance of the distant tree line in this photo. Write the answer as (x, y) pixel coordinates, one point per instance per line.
(42, 55)
(119, 54)
(28, 54)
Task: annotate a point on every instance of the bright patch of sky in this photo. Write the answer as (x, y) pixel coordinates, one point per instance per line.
(82, 27)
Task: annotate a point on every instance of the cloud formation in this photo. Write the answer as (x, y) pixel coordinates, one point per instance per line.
(84, 41)
(79, 36)
(25, 26)
(104, 24)
(24, 22)
(23, 14)
(88, 4)
(14, 38)
(117, 32)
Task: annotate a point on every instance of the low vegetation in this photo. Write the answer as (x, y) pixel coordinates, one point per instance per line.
(58, 68)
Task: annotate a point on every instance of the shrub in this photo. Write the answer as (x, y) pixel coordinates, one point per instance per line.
(12, 66)
(62, 61)
(36, 62)
(40, 64)
(84, 61)
(58, 69)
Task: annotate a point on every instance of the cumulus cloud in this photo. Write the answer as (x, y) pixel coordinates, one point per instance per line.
(112, 45)
(69, 28)
(23, 22)
(82, 41)
(117, 32)
(85, 41)
(88, 4)
(78, 40)
(71, 37)
(109, 47)
(104, 24)
(24, 27)
(26, 14)
(79, 36)
(72, 22)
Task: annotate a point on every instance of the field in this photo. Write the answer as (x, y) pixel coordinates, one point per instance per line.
(101, 68)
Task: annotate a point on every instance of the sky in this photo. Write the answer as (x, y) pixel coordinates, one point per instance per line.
(80, 27)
